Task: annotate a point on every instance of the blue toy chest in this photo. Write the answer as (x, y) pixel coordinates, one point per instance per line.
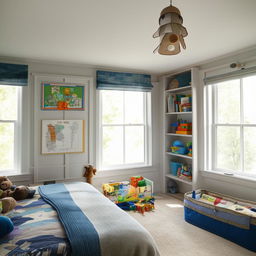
(237, 222)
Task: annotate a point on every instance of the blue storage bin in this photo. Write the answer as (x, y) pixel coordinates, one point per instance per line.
(229, 223)
(174, 166)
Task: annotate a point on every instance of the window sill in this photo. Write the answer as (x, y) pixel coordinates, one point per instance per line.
(126, 171)
(125, 167)
(233, 179)
(15, 176)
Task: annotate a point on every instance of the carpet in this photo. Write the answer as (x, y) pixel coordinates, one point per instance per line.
(176, 237)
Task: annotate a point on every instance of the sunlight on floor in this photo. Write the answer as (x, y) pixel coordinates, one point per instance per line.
(175, 205)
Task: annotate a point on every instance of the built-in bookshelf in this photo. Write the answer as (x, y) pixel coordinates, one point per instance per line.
(180, 128)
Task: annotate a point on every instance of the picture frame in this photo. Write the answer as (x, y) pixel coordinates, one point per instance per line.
(60, 96)
(62, 136)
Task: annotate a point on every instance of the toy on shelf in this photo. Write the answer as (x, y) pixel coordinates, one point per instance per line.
(184, 127)
(178, 147)
(175, 167)
(185, 173)
(172, 187)
(189, 147)
(181, 127)
(127, 194)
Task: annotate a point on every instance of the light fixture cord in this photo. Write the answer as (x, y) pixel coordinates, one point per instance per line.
(170, 2)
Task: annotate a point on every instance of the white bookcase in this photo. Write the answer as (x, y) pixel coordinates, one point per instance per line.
(170, 116)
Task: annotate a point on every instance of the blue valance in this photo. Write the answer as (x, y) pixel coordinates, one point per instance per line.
(13, 74)
(107, 80)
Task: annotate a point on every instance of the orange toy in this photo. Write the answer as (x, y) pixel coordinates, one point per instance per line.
(135, 180)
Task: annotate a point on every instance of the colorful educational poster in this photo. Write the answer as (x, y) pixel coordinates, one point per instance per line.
(62, 136)
(62, 97)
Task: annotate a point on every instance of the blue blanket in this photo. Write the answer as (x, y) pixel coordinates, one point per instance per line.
(82, 235)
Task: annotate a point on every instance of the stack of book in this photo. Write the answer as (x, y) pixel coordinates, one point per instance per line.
(179, 103)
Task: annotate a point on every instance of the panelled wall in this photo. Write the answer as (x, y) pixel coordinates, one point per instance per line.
(69, 167)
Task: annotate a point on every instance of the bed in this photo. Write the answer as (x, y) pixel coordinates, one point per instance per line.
(74, 219)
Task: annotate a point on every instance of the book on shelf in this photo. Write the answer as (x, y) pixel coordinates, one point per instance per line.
(170, 102)
(179, 103)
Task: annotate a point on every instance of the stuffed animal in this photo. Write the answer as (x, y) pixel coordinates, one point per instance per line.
(5, 183)
(21, 192)
(7, 204)
(89, 172)
(6, 226)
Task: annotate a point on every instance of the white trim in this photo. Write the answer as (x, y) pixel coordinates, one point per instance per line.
(17, 126)
(212, 163)
(234, 178)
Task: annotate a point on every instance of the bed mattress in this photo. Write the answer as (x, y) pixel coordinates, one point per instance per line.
(40, 231)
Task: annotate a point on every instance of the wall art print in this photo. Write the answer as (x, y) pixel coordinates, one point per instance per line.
(62, 136)
(57, 96)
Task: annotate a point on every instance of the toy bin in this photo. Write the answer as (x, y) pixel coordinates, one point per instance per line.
(137, 189)
(231, 218)
(174, 167)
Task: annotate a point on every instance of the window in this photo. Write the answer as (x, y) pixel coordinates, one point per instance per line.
(231, 126)
(10, 105)
(125, 118)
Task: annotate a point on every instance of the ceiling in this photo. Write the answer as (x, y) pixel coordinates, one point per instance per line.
(118, 34)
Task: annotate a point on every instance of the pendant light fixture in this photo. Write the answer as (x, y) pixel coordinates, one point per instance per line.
(171, 31)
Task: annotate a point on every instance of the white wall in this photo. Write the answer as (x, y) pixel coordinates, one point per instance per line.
(152, 172)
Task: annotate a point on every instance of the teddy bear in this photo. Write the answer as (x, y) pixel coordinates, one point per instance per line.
(89, 172)
(7, 204)
(21, 192)
(5, 183)
(7, 189)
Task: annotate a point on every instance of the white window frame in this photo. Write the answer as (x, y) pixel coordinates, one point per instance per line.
(147, 124)
(17, 136)
(211, 126)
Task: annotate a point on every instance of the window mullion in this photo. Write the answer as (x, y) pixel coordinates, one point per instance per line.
(241, 126)
(124, 157)
(146, 135)
(214, 127)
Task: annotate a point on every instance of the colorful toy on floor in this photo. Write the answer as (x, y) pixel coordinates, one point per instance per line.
(134, 195)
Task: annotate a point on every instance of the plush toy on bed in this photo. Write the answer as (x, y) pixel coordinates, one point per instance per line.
(5, 183)
(7, 189)
(21, 192)
(6, 226)
(89, 171)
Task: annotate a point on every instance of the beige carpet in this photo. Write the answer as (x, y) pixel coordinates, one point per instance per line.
(176, 237)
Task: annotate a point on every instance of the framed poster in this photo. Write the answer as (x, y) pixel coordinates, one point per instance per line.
(62, 136)
(57, 96)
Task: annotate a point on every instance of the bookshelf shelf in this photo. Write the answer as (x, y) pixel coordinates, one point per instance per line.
(180, 89)
(180, 135)
(178, 113)
(179, 155)
(178, 179)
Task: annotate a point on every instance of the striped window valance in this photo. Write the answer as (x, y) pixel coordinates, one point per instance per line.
(107, 80)
(13, 74)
